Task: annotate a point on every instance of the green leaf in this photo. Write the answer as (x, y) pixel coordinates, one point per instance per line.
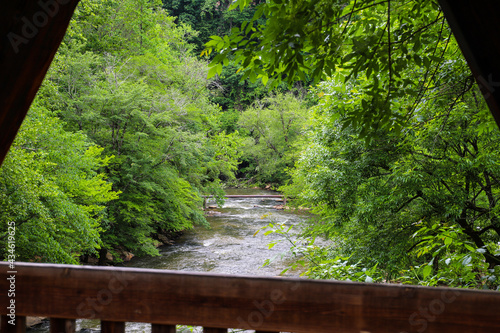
(264, 79)
(470, 248)
(212, 72)
(426, 271)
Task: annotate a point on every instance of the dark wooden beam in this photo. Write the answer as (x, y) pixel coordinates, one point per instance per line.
(31, 32)
(258, 303)
(476, 26)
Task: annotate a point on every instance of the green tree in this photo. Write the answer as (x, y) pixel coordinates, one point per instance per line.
(395, 77)
(379, 39)
(275, 125)
(232, 93)
(143, 98)
(129, 27)
(208, 17)
(425, 199)
(53, 190)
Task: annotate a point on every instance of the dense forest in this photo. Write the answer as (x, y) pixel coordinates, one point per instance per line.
(365, 112)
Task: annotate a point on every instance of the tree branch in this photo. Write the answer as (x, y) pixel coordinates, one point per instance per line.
(418, 195)
(18, 224)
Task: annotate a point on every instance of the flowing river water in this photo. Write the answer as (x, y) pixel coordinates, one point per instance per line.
(229, 246)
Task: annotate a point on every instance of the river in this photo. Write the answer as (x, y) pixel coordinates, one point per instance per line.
(229, 246)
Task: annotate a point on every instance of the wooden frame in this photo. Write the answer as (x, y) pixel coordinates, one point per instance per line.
(476, 26)
(31, 32)
(265, 304)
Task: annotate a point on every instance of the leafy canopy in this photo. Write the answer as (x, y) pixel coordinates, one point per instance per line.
(422, 206)
(316, 38)
(53, 190)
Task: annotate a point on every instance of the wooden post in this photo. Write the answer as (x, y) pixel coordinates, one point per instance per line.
(58, 325)
(112, 327)
(156, 328)
(214, 330)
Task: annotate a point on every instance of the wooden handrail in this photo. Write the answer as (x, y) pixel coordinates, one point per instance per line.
(258, 303)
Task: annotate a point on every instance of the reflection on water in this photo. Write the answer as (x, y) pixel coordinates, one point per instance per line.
(228, 247)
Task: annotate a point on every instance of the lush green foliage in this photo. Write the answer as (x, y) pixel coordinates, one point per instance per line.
(379, 39)
(145, 102)
(232, 93)
(126, 79)
(52, 189)
(208, 17)
(417, 197)
(275, 126)
(420, 205)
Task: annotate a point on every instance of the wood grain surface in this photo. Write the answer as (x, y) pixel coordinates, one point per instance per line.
(258, 303)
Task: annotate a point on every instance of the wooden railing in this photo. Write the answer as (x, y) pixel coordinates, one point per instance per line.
(216, 302)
